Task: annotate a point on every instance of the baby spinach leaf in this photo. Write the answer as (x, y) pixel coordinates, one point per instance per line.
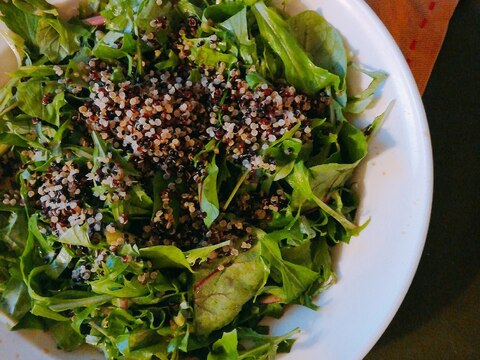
(121, 15)
(211, 57)
(300, 71)
(13, 230)
(15, 299)
(189, 9)
(107, 48)
(21, 22)
(299, 254)
(29, 321)
(354, 146)
(57, 39)
(324, 45)
(30, 95)
(66, 338)
(237, 25)
(221, 12)
(36, 7)
(220, 294)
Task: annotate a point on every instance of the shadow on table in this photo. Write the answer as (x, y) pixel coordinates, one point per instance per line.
(450, 260)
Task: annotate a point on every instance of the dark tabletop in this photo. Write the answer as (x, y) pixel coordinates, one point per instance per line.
(440, 316)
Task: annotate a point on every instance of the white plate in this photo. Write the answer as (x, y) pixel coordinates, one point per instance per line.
(376, 268)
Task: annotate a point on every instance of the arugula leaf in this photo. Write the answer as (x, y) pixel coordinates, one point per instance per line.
(76, 235)
(170, 63)
(359, 102)
(43, 311)
(225, 348)
(34, 71)
(328, 177)
(295, 278)
(300, 71)
(125, 289)
(200, 254)
(20, 141)
(372, 130)
(166, 256)
(208, 194)
(265, 347)
(299, 180)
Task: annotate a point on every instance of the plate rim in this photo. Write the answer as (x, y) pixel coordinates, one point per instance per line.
(427, 151)
(407, 79)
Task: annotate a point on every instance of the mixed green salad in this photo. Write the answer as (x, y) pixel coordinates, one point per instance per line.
(173, 172)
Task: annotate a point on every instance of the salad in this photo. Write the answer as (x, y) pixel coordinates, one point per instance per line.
(173, 172)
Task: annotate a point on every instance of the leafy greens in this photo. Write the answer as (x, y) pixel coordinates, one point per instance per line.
(178, 255)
